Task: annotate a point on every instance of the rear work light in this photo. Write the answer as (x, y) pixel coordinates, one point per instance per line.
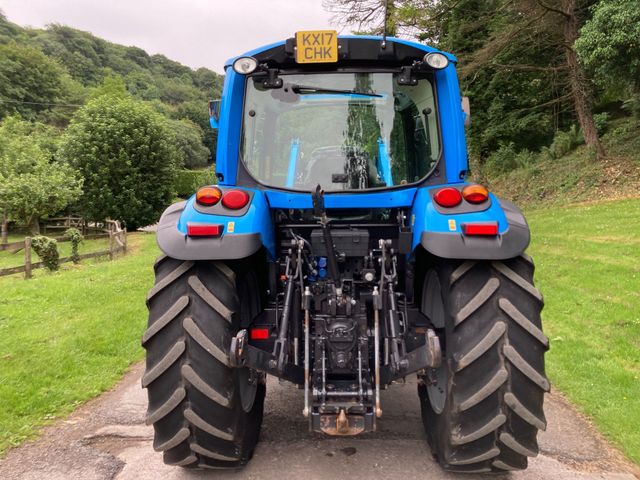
(235, 199)
(203, 230)
(475, 194)
(208, 196)
(481, 228)
(259, 333)
(448, 197)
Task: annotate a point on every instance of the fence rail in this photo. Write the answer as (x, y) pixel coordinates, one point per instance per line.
(89, 230)
(15, 247)
(63, 223)
(117, 243)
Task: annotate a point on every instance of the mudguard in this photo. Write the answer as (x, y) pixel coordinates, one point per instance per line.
(440, 233)
(243, 234)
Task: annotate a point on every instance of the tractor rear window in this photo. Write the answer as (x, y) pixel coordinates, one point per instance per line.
(344, 131)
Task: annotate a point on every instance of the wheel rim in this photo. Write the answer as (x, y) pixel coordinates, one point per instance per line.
(248, 386)
(437, 392)
(433, 307)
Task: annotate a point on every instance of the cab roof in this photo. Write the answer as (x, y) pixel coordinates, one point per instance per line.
(353, 49)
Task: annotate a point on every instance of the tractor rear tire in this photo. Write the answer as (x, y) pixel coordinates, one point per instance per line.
(482, 408)
(204, 413)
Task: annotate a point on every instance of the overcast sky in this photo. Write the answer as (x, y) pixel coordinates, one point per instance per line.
(198, 33)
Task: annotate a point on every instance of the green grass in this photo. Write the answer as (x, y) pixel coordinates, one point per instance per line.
(588, 269)
(10, 259)
(68, 336)
(14, 237)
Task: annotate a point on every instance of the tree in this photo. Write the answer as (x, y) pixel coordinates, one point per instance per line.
(609, 46)
(29, 81)
(32, 184)
(197, 112)
(124, 151)
(368, 15)
(82, 54)
(188, 139)
(580, 84)
(112, 86)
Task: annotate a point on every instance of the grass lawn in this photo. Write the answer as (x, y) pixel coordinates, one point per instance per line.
(588, 269)
(67, 336)
(10, 259)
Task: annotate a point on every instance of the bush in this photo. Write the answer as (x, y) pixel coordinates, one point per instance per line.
(601, 120)
(506, 159)
(500, 161)
(564, 142)
(188, 181)
(75, 238)
(125, 153)
(632, 104)
(47, 249)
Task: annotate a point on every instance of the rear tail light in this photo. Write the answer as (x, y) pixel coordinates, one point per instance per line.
(259, 333)
(448, 197)
(235, 199)
(203, 230)
(475, 194)
(484, 228)
(208, 196)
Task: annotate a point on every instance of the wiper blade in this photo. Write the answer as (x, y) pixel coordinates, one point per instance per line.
(309, 89)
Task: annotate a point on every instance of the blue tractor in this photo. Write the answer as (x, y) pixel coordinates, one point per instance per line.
(343, 250)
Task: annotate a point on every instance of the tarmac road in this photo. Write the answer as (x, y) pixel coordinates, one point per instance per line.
(107, 439)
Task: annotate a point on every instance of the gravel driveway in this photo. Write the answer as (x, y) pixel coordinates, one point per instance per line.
(106, 439)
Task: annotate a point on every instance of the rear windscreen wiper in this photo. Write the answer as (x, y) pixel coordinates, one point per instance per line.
(308, 89)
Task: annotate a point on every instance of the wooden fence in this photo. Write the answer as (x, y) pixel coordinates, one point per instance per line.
(117, 243)
(63, 223)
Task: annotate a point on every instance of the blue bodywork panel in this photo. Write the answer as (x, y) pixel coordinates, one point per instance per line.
(256, 220)
(380, 199)
(439, 233)
(425, 217)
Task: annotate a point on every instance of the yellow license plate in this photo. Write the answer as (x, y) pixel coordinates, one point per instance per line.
(317, 46)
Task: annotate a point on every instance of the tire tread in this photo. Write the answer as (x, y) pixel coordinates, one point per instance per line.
(194, 403)
(494, 349)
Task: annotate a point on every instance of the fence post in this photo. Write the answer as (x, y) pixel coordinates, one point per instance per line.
(27, 257)
(111, 242)
(4, 239)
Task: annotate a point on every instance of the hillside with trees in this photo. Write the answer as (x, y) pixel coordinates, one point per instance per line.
(58, 76)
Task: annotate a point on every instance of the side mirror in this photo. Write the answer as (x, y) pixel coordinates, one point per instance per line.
(466, 108)
(214, 113)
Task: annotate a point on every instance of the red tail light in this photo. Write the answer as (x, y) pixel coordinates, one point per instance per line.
(208, 196)
(475, 194)
(235, 199)
(203, 230)
(259, 334)
(484, 228)
(448, 197)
